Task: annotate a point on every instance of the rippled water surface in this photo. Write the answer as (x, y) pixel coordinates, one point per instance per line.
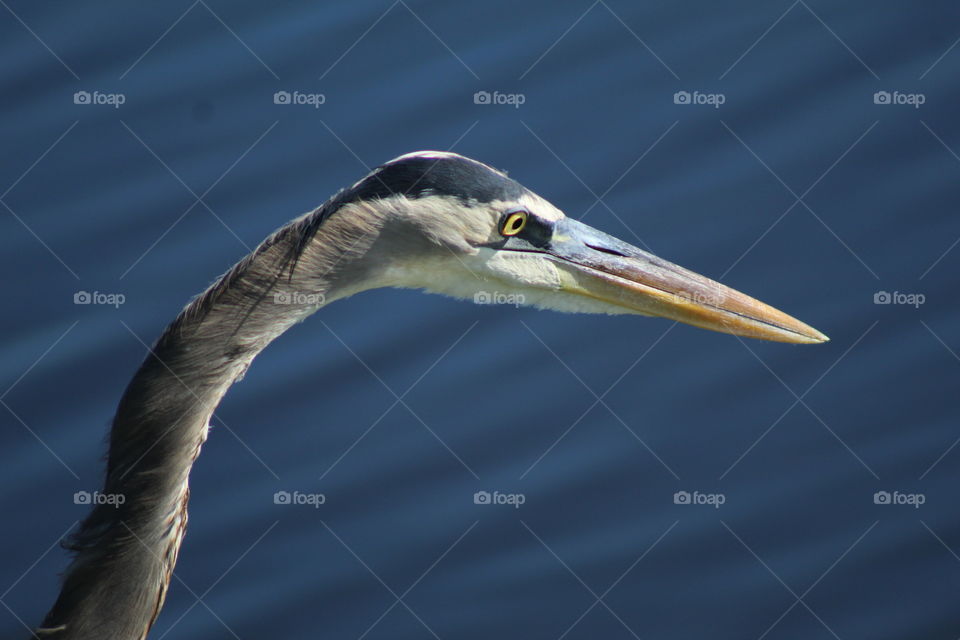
(785, 173)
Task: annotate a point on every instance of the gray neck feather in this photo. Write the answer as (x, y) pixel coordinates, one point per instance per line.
(124, 556)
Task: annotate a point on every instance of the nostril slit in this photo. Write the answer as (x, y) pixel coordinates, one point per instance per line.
(606, 250)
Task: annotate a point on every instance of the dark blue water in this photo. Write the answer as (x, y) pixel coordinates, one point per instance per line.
(798, 189)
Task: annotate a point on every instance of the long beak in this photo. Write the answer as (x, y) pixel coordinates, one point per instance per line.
(617, 273)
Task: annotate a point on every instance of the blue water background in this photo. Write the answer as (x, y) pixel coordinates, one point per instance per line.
(798, 189)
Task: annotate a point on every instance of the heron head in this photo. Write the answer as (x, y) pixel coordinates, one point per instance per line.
(455, 226)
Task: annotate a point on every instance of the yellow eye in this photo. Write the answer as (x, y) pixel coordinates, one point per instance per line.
(514, 223)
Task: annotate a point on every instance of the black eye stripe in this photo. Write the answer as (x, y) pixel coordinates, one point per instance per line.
(538, 232)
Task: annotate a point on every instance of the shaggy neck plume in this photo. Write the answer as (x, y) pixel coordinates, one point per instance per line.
(125, 554)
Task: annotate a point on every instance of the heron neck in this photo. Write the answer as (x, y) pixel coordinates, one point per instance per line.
(125, 553)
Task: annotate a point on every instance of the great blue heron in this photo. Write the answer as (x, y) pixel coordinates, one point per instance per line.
(427, 220)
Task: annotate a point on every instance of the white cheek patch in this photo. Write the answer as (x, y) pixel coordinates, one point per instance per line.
(456, 276)
(522, 269)
(525, 279)
(486, 270)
